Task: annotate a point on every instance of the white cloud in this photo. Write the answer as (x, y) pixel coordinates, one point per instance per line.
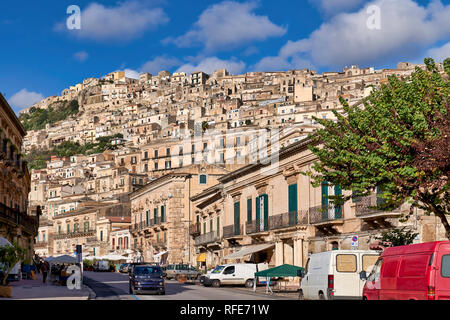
(81, 56)
(24, 99)
(439, 54)
(333, 7)
(228, 25)
(125, 21)
(407, 30)
(211, 64)
(130, 73)
(160, 63)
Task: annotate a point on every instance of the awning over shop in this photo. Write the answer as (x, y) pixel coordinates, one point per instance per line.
(201, 257)
(249, 250)
(286, 270)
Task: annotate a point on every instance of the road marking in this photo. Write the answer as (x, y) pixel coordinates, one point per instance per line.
(135, 297)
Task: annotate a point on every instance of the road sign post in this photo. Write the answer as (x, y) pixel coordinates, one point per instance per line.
(355, 242)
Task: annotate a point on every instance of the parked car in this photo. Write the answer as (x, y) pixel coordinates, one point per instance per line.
(102, 265)
(124, 268)
(147, 279)
(335, 274)
(237, 274)
(413, 272)
(174, 271)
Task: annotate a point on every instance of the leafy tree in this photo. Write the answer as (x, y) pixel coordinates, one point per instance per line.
(10, 255)
(397, 237)
(396, 140)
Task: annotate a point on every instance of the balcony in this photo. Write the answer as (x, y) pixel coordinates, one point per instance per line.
(75, 234)
(280, 221)
(14, 216)
(325, 214)
(41, 245)
(194, 229)
(366, 209)
(207, 238)
(233, 231)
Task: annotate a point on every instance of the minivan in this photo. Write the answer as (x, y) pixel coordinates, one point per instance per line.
(413, 272)
(174, 271)
(335, 274)
(237, 274)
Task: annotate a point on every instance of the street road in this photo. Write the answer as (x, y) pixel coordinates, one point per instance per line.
(114, 286)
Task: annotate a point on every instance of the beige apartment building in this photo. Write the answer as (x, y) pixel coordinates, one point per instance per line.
(271, 213)
(161, 213)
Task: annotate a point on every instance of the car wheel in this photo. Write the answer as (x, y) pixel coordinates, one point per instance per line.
(321, 296)
(249, 283)
(162, 293)
(301, 295)
(216, 283)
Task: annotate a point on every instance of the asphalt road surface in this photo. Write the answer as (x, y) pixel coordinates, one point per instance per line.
(114, 286)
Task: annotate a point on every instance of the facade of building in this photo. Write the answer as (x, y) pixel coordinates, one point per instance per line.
(15, 222)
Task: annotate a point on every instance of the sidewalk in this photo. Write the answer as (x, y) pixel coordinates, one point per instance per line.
(37, 290)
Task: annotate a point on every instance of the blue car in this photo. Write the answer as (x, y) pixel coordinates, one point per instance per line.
(147, 279)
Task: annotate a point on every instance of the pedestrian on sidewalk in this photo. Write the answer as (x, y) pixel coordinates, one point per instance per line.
(45, 268)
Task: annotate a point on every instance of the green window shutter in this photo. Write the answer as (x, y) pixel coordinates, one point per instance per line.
(237, 218)
(59, 229)
(249, 209)
(155, 216)
(325, 200)
(258, 213)
(338, 209)
(204, 227)
(163, 213)
(211, 225)
(293, 204)
(68, 228)
(218, 226)
(147, 217)
(266, 212)
(165, 237)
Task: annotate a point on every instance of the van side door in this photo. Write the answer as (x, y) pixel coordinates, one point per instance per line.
(442, 278)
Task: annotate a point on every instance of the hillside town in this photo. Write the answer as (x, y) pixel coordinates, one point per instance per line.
(205, 171)
(201, 169)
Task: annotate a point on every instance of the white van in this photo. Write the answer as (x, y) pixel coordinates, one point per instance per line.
(238, 273)
(335, 274)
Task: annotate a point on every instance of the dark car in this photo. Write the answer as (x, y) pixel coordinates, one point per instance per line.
(147, 279)
(124, 268)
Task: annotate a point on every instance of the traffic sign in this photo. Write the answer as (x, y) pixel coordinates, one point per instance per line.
(355, 241)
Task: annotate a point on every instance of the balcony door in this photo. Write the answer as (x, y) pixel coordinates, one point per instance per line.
(237, 218)
(262, 213)
(293, 204)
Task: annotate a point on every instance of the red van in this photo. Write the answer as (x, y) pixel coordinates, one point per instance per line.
(413, 272)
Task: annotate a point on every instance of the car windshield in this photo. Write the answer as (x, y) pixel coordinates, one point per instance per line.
(218, 269)
(150, 271)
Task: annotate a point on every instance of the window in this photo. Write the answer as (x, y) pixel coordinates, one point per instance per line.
(375, 274)
(156, 165)
(445, 266)
(249, 209)
(346, 263)
(86, 226)
(368, 261)
(156, 153)
(229, 270)
(168, 151)
(145, 155)
(390, 267)
(163, 213)
(203, 179)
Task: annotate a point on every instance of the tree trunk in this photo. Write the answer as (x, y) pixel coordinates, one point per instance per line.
(441, 214)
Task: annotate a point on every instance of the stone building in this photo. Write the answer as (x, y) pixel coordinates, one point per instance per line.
(161, 213)
(15, 181)
(271, 212)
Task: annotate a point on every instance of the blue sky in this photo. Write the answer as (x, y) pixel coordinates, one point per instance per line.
(40, 56)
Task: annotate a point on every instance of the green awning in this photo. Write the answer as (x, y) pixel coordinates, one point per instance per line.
(286, 270)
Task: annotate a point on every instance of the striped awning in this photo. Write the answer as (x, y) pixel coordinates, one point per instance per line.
(249, 250)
